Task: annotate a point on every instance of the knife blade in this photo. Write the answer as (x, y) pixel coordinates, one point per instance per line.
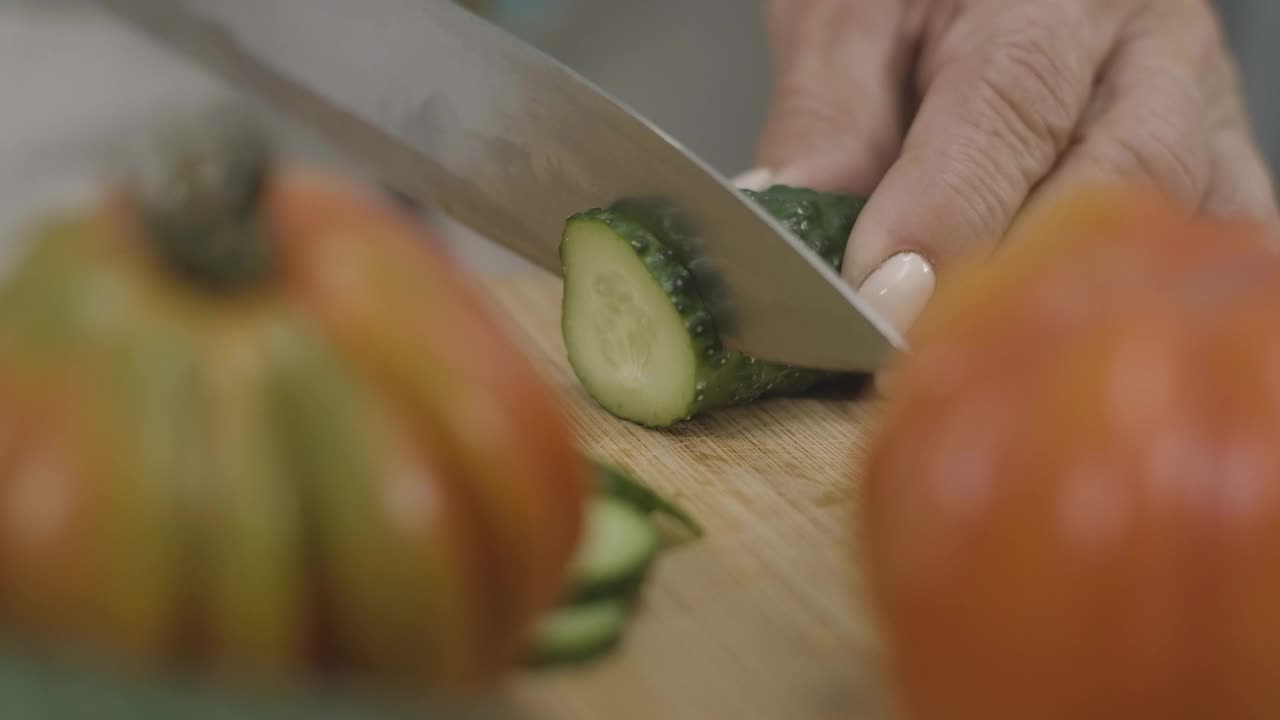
(452, 110)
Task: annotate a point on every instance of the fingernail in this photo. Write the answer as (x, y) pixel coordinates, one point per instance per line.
(795, 175)
(900, 288)
(754, 179)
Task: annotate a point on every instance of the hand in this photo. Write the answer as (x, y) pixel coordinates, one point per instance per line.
(958, 113)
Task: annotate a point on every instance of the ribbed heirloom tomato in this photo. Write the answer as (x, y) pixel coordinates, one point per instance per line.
(1072, 507)
(255, 420)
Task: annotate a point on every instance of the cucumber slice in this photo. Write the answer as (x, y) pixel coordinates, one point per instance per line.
(636, 326)
(578, 632)
(617, 549)
(613, 481)
(634, 340)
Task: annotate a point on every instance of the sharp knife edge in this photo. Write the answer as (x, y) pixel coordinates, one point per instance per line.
(781, 323)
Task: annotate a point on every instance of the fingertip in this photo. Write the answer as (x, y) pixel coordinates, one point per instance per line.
(757, 178)
(899, 288)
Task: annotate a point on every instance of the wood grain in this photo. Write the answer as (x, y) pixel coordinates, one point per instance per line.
(764, 616)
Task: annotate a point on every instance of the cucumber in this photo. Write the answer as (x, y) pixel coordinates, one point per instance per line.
(613, 558)
(616, 482)
(635, 320)
(574, 633)
(619, 545)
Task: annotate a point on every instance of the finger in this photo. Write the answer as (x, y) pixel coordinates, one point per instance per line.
(1153, 132)
(835, 116)
(1241, 185)
(1154, 115)
(1003, 90)
(1240, 181)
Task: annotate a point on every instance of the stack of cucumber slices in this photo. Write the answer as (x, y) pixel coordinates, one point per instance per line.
(636, 325)
(621, 542)
(642, 342)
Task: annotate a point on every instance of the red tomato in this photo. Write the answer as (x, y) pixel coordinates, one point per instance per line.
(1072, 507)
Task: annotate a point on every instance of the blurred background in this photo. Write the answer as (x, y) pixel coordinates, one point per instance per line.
(74, 83)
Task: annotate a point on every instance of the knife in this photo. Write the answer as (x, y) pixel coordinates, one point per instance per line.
(455, 112)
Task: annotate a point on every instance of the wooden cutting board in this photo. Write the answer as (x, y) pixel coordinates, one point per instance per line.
(763, 617)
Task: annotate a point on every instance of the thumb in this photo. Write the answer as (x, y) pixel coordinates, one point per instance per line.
(835, 119)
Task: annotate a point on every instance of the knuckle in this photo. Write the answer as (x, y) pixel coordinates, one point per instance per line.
(1191, 29)
(1033, 79)
(803, 113)
(975, 193)
(1155, 154)
(806, 112)
(1241, 185)
(1172, 141)
(1028, 81)
(1201, 20)
(1158, 126)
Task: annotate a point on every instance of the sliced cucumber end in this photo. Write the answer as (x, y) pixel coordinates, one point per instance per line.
(626, 340)
(576, 633)
(619, 545)
(616, 482)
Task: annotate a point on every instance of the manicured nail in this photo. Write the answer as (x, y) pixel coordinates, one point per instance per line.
(900, 288)
(795, 175)
(754, 179)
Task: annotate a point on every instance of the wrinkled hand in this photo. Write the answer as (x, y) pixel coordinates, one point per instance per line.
(958, 113)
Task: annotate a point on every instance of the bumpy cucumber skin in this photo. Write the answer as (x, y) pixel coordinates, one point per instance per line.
(725, 378)
(821, 220)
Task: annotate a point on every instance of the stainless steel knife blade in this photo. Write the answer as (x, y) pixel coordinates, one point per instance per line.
(454, 111)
